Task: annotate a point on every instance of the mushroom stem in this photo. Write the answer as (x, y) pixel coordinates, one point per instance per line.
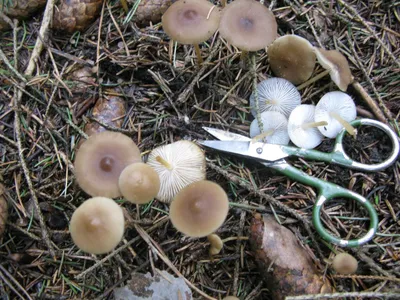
(244, 55)
(164, 162)
(223, 3)
(216, 244)
(124, 5)
(255, 92)
(350, 129)
(306, 126)
(198, 54)
(262, 135)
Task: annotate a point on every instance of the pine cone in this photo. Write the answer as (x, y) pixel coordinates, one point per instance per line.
(151, 10)
(76, 15)
(3, 210)
(19, 9)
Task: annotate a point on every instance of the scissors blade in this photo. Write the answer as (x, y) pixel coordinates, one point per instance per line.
(259, 151)
(226, 135)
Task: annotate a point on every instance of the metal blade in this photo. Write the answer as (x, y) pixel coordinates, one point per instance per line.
(259, 151)
(226, 135)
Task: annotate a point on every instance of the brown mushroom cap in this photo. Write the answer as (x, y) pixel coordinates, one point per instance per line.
(199, 209)
(338, 67)
(100, 161)
(191, 21)
(248, 25)
(292, 57)
(345, 264)
(139, 183)
(97, 226)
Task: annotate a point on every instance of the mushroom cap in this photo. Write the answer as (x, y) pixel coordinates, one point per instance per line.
(231, 298)
(100, 161)
(97, 226)
(345, 264)
(337, 102)
(248, 25)
(187, 162)
(191, 21)
(283, 94)
(338, 67)
(199, 209)
(216, 244)
(292, 57)
(272, 120)
(303, 138)
(139, 183)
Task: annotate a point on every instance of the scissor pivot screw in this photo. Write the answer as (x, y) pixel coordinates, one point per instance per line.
(259, 150)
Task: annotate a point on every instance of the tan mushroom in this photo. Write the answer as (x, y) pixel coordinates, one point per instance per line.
(248, 25)
(97, 226)
(337, 65)
(177, 164)
(292, 57)
(191, 22)
(216, 244)
(139, 183)
(199, 209)
(345, 264)
(100, 161)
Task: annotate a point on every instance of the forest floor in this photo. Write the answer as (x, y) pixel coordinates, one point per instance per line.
(169, 98)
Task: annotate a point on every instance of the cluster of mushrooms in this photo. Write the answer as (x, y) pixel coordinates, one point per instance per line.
(109, 165)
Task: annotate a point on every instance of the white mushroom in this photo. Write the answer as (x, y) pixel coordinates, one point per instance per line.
(177, 164)
(302, 128)
(337, 109)
(275, 94)
(274, 128)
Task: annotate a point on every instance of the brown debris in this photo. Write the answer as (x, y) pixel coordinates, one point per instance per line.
(3, 210)
(19, 9)
(151, 11)
(286, 267)
(76, 15)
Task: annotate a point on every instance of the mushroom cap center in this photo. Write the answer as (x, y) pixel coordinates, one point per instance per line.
(107, 164)
(246, 23)
(190, 15)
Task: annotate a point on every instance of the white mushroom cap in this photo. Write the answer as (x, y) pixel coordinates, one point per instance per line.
(276, 94)
(304, 138)
(334, 102)
(272, 120)
(185, 164)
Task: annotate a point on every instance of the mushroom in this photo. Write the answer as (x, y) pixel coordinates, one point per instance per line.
(337, 65)
(139, 183)
(191, 22)
(231, 298)
(302, 128)
(248, 25)
(177, 164)
(274, 128)
(199, 209)
(337, 109)
(345, 264)
(97, 226)
(216, 244)
(292, 57)
(100, 161)
(275, 94)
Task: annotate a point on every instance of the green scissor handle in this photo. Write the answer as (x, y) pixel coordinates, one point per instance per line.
(339, 156)
(328, 191)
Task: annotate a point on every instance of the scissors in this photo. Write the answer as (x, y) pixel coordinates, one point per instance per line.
(272, 156)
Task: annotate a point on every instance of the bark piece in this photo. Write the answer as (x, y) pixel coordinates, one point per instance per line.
(285, 266)
(19, 9)
(161, 286)
(3, 210)
(151, 11)
(76, 15)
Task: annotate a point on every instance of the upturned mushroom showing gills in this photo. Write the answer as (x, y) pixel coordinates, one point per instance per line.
(337, 65)
(100, 161)
(302, 128)
(292, 57)
(337, 109)
(97, 226)
(139, 183)
(177, 164)
(199, 209)
(345, 264)
(274, 128)
(275, 94)
(191, 22)
(248, 25)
